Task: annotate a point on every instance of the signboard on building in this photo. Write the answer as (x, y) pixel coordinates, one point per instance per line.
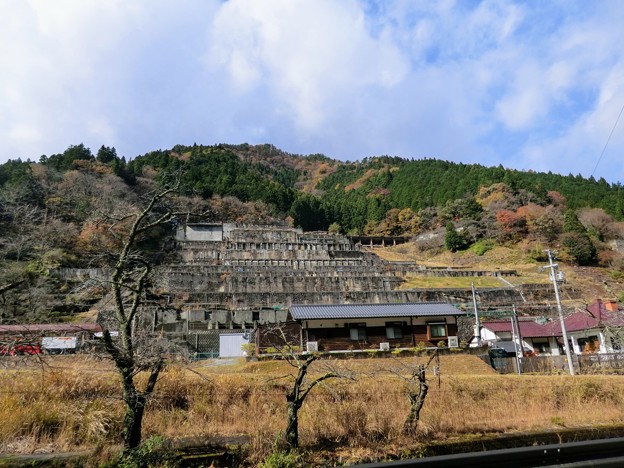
(58, 342)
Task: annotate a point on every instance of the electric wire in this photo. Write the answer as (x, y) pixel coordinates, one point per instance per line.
(608, 140)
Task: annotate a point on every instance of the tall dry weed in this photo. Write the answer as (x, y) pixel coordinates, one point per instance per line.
(79, 406)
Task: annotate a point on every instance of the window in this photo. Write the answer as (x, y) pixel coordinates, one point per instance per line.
(541, 346)
(437, 330)
(255, 316)
(394, 330)
(590, 344)
(357, 331)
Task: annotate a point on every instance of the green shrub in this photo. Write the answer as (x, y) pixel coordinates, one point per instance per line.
(481, 247)
(616, 275)
(420, 346)
(151, 452)
(249, 349)
(282, 459)
(536, 253)
(580, 248)
(454, 240)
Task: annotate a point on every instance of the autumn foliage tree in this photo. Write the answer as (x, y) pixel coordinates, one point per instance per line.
(542, 222)
(512, 225)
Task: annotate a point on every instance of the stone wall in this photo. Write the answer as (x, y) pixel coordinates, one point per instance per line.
(258, 270)
(412, 268)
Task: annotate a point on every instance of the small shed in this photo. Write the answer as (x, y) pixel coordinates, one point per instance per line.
(231, 344)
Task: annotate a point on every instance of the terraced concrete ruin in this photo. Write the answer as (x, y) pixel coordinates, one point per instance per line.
(229, 276)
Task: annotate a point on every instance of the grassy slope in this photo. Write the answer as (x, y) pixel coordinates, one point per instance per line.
(592, 282)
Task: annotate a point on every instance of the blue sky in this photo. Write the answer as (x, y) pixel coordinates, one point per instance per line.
(529, 85)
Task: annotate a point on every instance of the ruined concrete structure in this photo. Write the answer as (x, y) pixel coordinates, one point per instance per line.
(234, 276)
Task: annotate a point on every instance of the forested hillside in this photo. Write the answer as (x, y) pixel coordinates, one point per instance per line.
(50, 211)
(360, 192)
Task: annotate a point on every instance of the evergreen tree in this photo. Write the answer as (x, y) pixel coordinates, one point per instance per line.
(307, 213)
(571, 223)
(580, 248)
(453, 240)
(106, 154)
(65, 161)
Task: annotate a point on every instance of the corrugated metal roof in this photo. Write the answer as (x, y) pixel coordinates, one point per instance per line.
(346, 311)
(51, 327)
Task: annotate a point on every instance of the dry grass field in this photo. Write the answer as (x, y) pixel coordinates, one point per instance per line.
(422, 282)
(71, 403)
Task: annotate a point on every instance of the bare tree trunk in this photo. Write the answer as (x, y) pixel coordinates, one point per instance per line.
(297, 396)
(417, 390)
(295, 400)
(292, 427)
(129, 281)
(302, 384)
(135, 402)
(133, 419)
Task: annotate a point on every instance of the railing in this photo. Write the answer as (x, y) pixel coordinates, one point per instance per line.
(528, 365)
(597, 362)
(584, 364)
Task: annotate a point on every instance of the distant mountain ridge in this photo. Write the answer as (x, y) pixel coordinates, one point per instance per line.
(49, 210)
(399, 182)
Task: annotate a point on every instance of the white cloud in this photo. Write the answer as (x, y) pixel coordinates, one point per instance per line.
(519, 108)
(23, 133)
(578, 149)
(308, 54)
(82, 70)
(527, 85)
(100, 129)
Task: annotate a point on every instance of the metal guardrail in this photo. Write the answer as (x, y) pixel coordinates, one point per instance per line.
(604, 453)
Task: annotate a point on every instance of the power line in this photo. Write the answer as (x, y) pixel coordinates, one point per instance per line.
(608, 140)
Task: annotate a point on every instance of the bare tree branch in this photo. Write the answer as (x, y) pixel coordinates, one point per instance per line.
(128, 282)
(416, 388)
(302, 383)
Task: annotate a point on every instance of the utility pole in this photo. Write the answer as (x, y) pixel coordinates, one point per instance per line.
(553, 267)
(477, 325)
(517, 337)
